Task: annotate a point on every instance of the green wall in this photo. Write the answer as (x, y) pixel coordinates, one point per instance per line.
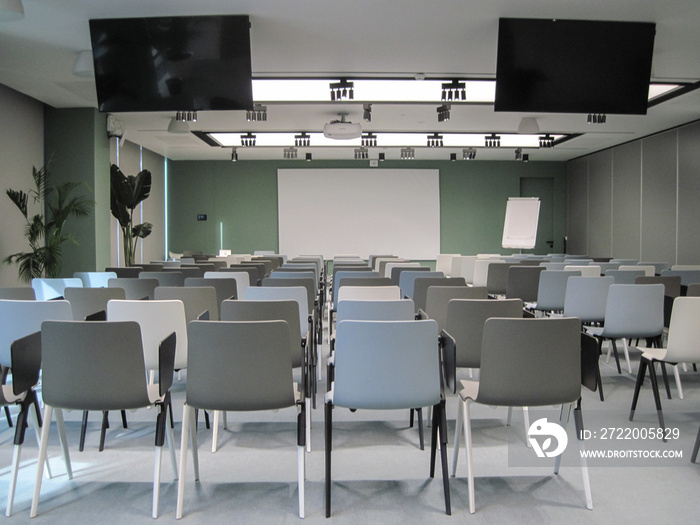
(243, 197)
(76, 148)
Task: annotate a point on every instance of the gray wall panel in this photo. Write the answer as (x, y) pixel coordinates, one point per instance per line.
(689, 195)
(600, 204)
(626, 210)
(577, 200)
(659, 197)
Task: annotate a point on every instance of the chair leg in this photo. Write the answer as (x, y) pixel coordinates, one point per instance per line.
(83, 431)
(420, 428)
(187, 414)
(103, 431)
(124, 423)
(8, 416)
(64, 441)
(301, 459)
(526, 421)
(434, 441)
(665, 376)
(643, 363)
(599, 380)
(215, 431)
(617, 357)
(18, 442)
(458, 434)
(657, 398)
(679, 386)
(578, 421)
(328, 424)
(696, 447)
(469, 455)
(442, 423)
(42, 459)
(627, 355)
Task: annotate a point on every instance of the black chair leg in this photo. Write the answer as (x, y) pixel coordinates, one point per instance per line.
(665, 375)
(657, 398)
(442, 423)
(8, 416)
(411, 414)
(638, 385)
(434, 440)
(328, 423)
(419, 412)
(105, 426)
(124, 424)
(617, 357)
(83, 430)
(598, 378)
(696, 448)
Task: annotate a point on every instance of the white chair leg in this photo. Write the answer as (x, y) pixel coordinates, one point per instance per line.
(685, 367)
(301, 476)
(186, 416)
(677, 375)
(42, 459)
(64, 442)
(562, 422)
(13, 479)
(37, 433)
(584, 474)
(307, 402)
(215, 430)
(156, 480)
(607, 356)
(195, 446)
(627, 354)
(458, 434)
(469, 455)
(526, 420)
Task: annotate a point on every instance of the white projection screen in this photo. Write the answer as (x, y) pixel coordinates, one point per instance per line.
(359, 211)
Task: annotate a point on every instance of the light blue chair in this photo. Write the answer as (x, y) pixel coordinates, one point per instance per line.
(408, 278)
(95, 279)
(52, 288)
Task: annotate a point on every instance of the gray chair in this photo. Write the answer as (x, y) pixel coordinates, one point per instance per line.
(523, 282)
(169, 278)
(586, 298)
(407, 280)
(225, 288)
(497, 278)
(672, 284)
(396, 271)
(438, 298)
(624, 276)
(382, 365)
(198, 300)
(135, 289)
(688, 277)
(86, 302)
(252, 271)
(526, 362)
(125, 272)
(421, 285)
(551, 290)
(100, 366)
(186, 271)
(18, 293)
(239, 366)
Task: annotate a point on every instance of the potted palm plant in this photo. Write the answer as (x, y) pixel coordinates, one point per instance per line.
(127, 192)
(45, 230)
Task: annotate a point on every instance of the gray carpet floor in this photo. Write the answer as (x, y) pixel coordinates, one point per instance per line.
(379, 473)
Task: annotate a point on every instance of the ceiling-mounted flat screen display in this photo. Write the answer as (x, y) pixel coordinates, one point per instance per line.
(573, 66)
(178, 63)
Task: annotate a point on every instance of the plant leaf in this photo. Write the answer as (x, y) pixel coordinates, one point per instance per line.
(142, 230)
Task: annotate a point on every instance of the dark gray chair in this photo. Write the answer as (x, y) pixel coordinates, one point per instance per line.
(100, 366)
(18, 293)
(125, 272)
(88, 301)
(239, 366)
(135, 289)
(523, 282)
(422, 284)
(225, 288)
(169, 278)
(197, 300)
(438, 298)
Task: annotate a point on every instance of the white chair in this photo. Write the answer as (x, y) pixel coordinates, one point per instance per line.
(95, 279)
(51, 288)
(369, 293)
(463, 266)
(591, 270)
(443, 263)
(242, 279)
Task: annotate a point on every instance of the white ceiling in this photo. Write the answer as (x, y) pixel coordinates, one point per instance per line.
(333, 39)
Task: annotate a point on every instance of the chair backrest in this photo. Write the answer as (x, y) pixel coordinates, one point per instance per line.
(93, 365)
(135, 289)
(88, 301)
(347, 279)
(369, 293)
(465, 323)
(590, 270)
(658, 266)
(386, 364)
(95, 279)
(50, 288)
(225, 288)
(18, 293)
(605, 266)
(238, 365)
(421, 285)
(242, 279)
(685, 267)
(173, 278)
(634, 310)
(672, 284)
(277, 293)
(125, 272)
(625, 276)
(684, 331)
(523, 282)
(624, 261)
(398, 310)
(157, 319)
(497, 278)
(481, 270)
(443, 263)
(648, 269)
(252, 271)
(272, 310)
(438, 297)
(379, 263)
(554, 266)
(463, 266)
(19, 318)
(372, 259)
(306, 282)
(395, 272)
(408, 278)
(186, 270)
(530, 362)
(586, 298)
(310, 276)
(551, 289)
(197, 300)
(693, 290)
(688, 277)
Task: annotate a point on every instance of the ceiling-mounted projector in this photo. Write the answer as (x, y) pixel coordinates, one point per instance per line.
(342, 129)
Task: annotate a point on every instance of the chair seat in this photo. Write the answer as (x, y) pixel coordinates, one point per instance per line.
(657, 354)
(470, 389)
